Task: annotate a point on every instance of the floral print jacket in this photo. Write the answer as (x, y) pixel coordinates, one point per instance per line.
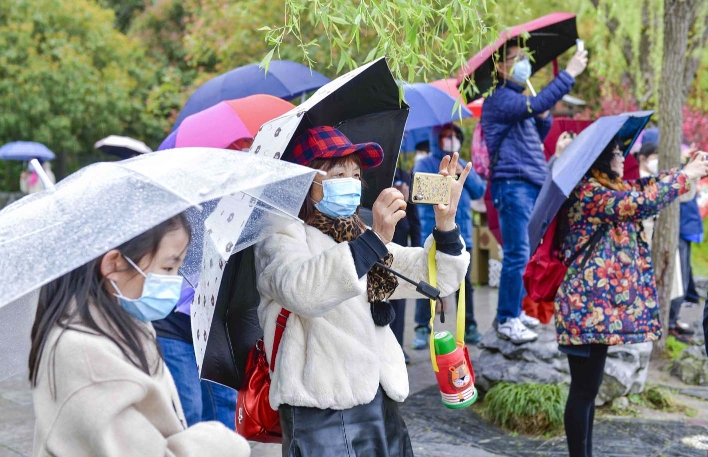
(612, 299)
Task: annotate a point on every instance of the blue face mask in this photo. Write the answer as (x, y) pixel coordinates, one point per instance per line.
(159, 297)
(341, 198)
(521, 71)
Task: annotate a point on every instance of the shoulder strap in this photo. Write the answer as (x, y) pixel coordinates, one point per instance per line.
(589, 246)
(280, 323)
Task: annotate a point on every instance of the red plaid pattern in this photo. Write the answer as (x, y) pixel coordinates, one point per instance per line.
(327, 142)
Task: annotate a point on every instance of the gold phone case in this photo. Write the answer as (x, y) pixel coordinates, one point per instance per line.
(431, 189)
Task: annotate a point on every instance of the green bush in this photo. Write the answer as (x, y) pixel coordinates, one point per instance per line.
(529, 408)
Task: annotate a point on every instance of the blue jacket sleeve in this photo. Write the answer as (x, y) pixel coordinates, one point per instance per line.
(544, 126)
(517, 107)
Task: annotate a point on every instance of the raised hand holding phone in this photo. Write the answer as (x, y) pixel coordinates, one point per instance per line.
(445, 214)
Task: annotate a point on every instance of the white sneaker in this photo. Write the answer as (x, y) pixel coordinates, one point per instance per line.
(516, 332)
(528, 321)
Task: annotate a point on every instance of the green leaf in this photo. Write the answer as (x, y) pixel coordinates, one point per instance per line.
(265, 63)
(370, 57)
(338, 20)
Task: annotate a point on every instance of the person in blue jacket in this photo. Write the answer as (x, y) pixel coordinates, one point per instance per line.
(514, 126)
(690, 231)
(445, 140)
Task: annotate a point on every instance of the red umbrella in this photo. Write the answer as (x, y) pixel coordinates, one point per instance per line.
(549, 37)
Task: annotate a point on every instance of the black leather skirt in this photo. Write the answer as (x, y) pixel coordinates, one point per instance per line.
(372, 430)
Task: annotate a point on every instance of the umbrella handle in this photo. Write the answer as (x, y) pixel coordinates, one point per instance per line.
(531, 89)
(42, 175)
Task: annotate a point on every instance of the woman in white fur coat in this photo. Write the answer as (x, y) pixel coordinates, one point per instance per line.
(339, 371)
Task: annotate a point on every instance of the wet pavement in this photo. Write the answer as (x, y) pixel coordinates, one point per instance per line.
(612, 437)
(435, 430)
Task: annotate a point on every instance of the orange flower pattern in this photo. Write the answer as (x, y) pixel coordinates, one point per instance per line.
(613, 299)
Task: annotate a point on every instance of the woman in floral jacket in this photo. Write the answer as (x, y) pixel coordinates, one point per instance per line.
(608, 295)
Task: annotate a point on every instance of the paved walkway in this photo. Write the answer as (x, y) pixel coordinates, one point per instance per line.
(435, 430)
(17, 418)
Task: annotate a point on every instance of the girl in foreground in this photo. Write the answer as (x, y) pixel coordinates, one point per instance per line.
(99, 382)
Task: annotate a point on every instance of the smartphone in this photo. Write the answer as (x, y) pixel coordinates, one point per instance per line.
(580, 44)
(431, 189)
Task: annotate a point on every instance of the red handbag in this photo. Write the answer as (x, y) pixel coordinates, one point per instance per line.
(255, 419)
(545, 271)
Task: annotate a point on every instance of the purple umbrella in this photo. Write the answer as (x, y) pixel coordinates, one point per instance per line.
(285, 79)
(575, 162)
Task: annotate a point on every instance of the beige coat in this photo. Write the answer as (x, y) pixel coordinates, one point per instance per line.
(105, 406)
(332, 355)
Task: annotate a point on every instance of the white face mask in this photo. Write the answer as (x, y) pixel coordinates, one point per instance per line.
(653, 166)
(450, 144)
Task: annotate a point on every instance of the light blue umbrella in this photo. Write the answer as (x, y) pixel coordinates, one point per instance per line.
(25, 150)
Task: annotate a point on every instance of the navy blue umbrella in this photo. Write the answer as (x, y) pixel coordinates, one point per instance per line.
(431, 106)
(575, 162)
(285, 79)
(25, 150)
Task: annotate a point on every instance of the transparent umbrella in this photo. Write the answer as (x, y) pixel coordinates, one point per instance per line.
(45, 235)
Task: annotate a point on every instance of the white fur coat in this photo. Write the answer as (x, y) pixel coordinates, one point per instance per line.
(332, 355)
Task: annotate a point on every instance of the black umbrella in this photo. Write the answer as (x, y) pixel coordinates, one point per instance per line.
(548, 37)
(364, 104)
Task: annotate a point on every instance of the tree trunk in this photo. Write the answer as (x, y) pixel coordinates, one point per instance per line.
(678, 15)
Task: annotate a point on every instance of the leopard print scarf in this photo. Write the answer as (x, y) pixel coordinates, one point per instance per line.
(380, 284)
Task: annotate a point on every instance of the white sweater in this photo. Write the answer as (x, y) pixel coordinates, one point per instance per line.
(332, 355)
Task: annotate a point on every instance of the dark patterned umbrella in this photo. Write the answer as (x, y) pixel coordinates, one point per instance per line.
(364, 104)
(546, 38)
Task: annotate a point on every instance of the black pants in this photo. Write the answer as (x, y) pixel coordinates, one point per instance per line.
(585, 380)
(685, 256)
(375, 429)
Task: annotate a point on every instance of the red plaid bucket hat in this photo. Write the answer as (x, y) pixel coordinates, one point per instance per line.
(327, 143)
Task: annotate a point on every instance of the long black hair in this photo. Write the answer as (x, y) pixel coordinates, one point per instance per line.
(603, 163)
(80, 297)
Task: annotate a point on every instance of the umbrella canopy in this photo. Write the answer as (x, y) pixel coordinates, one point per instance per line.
(575, 162)
(414, 138)
(450, 86)
(431, 106)
(226, 122)
(122, 146)
(78, 222)
(25, 150)
(284, 79)
(364, 105)
(549, 37)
